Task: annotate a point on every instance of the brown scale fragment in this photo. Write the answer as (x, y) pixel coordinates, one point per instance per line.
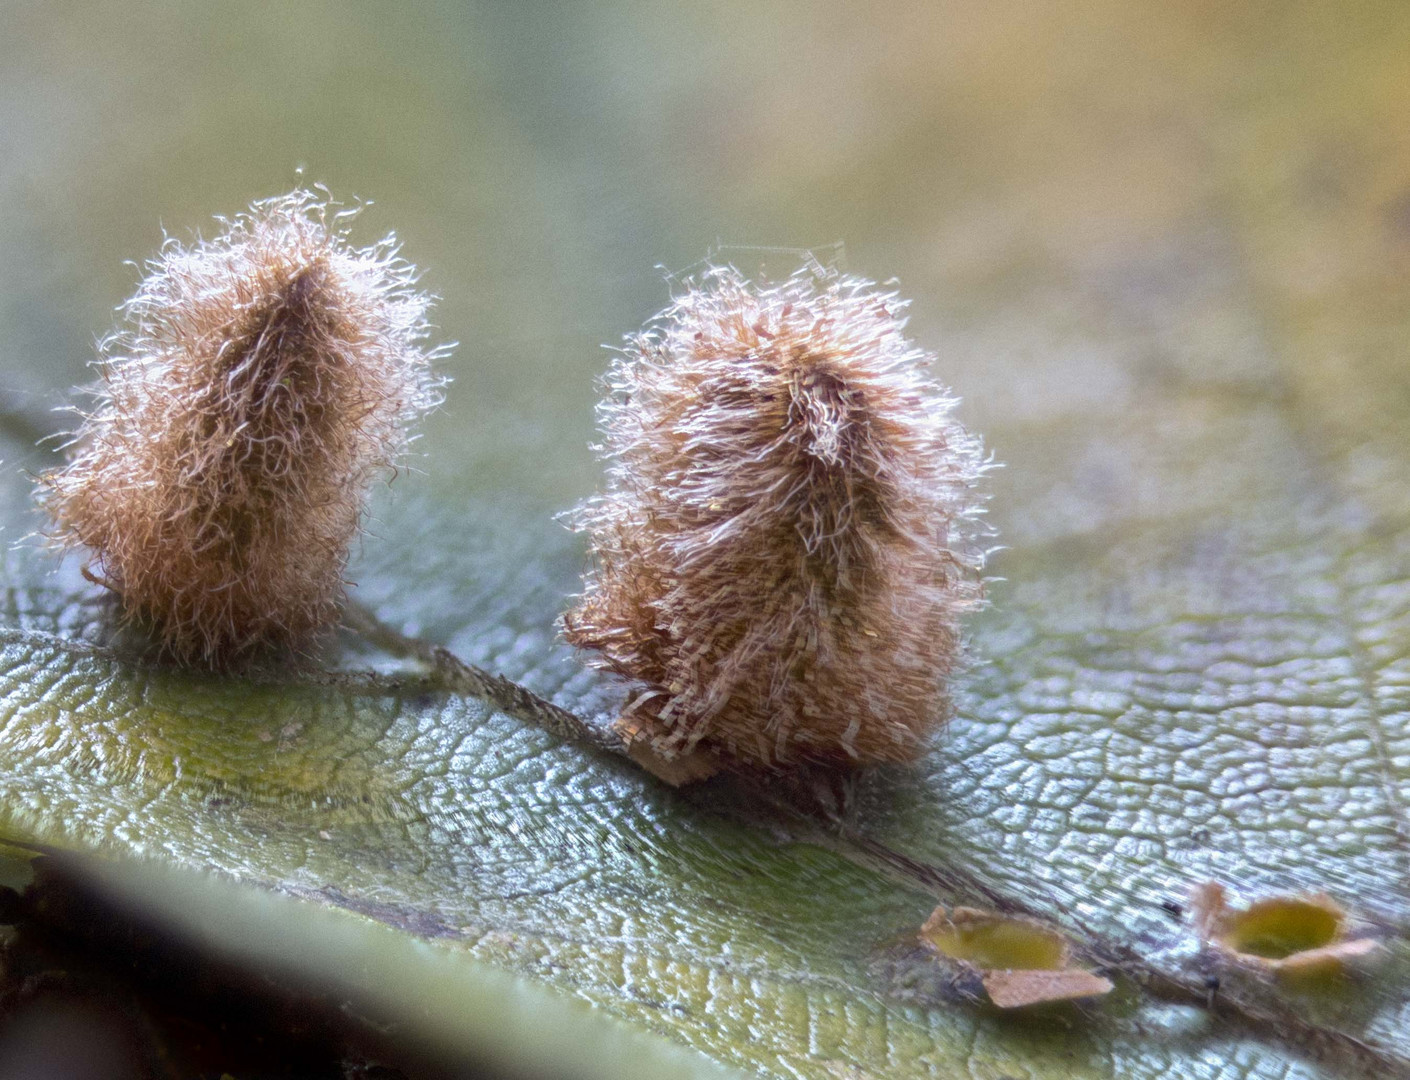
(1306, 938)
(1016, 989)
(262, 381)
(1019, 961)
(785, 543)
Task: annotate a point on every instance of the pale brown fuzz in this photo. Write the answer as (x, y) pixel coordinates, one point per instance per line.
(262, 381)
(786, 543)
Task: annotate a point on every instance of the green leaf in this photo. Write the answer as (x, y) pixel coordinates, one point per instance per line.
(1172, 290)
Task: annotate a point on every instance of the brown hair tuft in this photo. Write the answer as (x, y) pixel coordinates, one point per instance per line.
(263, 379)
(786, 540)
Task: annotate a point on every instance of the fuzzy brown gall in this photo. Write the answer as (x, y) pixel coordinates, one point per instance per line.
(262, 381)
(786, 539)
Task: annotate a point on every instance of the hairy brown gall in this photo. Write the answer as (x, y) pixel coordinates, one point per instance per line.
(786, 540)
(262, 380)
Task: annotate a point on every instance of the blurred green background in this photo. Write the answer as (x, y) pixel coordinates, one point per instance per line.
(1089, 203)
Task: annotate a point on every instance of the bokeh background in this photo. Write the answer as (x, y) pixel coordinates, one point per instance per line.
(1095, 206)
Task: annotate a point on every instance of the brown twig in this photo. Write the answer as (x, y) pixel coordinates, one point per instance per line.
(453, 674)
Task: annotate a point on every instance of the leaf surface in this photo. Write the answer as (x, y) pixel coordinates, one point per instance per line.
(1171, 290)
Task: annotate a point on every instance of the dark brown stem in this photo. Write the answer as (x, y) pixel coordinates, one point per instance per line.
(453, 674)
